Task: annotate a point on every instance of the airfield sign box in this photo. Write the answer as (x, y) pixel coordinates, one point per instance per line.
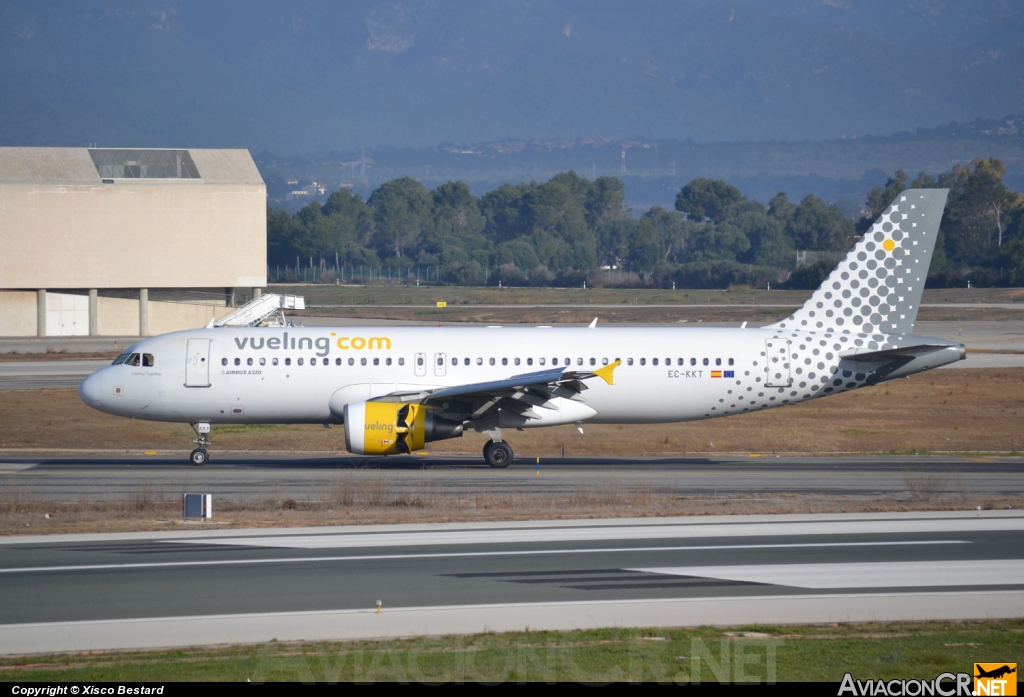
(197, 506)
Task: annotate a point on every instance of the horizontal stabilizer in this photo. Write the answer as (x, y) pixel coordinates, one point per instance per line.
(906, 352)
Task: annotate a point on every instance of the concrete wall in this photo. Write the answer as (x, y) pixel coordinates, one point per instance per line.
(17, 314)
(61, 227)
(116, 316)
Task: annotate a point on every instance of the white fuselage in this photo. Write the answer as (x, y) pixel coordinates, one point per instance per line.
(250, 375)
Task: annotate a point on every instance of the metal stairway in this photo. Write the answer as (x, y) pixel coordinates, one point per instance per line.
(260, 311)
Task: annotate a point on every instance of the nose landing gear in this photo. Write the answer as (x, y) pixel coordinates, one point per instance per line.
(199, 456)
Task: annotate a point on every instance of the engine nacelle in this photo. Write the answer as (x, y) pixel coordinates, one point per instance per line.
(392, 428)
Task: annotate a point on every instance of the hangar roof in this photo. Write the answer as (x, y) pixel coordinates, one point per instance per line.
(138, 165)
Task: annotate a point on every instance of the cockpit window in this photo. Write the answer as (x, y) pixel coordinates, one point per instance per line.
(147, 360)
(121, 359)
(132, 359)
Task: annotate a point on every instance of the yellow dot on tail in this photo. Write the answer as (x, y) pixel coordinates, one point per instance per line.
(889, 245)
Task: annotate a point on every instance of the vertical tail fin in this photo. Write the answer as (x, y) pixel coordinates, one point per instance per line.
(877, 287)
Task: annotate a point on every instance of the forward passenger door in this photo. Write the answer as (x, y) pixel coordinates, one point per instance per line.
(197, 363)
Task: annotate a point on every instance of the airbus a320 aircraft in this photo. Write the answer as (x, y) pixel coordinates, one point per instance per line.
(397, 388)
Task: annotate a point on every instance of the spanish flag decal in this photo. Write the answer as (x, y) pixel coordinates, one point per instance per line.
(716, 373)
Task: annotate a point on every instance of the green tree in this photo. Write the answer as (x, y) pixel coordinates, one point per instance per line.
(721, 242)
(456, 230)
(673, 229)
(613, 239)
(879, 198)
(818, 226)
(645, 249)
(401, 210)
(707, 198)
(518, 252)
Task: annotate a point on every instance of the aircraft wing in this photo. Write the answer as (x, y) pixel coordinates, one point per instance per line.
(519, 393)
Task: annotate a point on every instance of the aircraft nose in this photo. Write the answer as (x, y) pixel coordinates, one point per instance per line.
(91, 389)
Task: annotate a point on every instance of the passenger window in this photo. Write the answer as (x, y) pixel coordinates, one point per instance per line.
(312, 361)
(705, 361)
(579, 361)
(401, 361)
(147, 360)
(351, 361)
(300, 361)
(654, 361)
(541, 361)
(337, 361)
(718, 361)
(223, 361)
(238, 361)
(455, 361)
(132, 359)
(274, 361)
(593, 362)
(604, 361)
(419, 360)
(440, 361)
(376, 361)
(248, 361)
(362, 361)
(629, 361)
(693, 361)
(643, 361)
(668, 361)
(517, 361)
(529, 361)
(479, 361)
(504, 361)
(490, 361)
(287, 361)
(681, 361)
(730, 361)
(465, 361)
(121, 359)
(387, 361)
(263, 361)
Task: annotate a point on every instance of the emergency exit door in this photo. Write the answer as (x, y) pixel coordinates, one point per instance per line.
(197, 363)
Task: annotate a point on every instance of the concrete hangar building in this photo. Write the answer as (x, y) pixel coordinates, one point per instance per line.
(117, 242)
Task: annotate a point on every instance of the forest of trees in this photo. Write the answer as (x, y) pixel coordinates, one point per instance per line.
(570, 229)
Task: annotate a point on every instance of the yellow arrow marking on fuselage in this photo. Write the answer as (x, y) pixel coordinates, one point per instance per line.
(605, 373)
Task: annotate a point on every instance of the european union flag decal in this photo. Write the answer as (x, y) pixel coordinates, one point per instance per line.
(730, 373)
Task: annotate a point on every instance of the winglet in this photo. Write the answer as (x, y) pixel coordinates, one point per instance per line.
(593, 325)
(605, 373)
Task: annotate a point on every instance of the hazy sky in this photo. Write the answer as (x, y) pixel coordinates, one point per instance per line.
(309, 76)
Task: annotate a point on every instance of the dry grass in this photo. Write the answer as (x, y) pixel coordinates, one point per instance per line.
(942, 411)
(356, 500)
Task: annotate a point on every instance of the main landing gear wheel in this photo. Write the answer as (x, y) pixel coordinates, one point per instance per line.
(199, 457)
(498, 455)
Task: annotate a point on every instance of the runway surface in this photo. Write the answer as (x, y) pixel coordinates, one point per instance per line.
(263, 477)
(77, 592)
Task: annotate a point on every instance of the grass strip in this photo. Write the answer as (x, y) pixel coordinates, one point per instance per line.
(891, 650)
